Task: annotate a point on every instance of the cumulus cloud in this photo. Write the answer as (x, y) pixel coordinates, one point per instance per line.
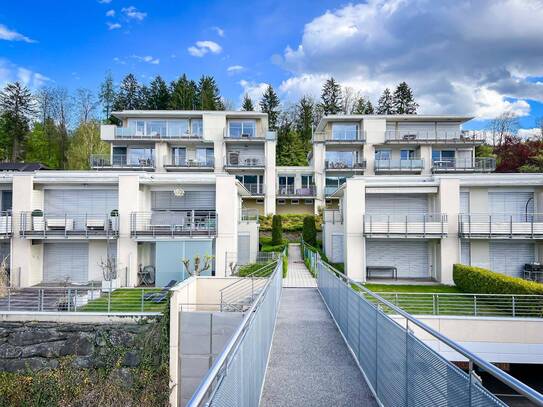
(234, 69)
(11, 35)
(201, 48)
(147, 58)
(466, 58)
(110, 13)
(255, 90)
(104, 1)
(132, 13)
(218, 30)
(10, 72)
(530, 133)
(113, 26)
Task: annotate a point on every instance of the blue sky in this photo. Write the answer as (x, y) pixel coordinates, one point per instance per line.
(458, 60)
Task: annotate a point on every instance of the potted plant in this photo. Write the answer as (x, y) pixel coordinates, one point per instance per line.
(111, 280)
(37, 220)
(114, 215)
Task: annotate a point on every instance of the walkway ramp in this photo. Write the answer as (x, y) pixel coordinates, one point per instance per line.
(297, 275)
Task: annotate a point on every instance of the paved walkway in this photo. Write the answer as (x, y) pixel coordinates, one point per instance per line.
(297, 275)
(310, 364)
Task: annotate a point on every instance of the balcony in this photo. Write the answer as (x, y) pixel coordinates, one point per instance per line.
(484, 164)
(171, 224)
(183, 164)
(340, 137)
(401, 166)
(430, 137)
(109, 132)
(40, 225)
(249, 215)
(423, 225)
(249, 136)
(328, 190)
(121, 162)
(6, 225)
(255, 189)
(332, 216)
(235, 160)
(345, 165)
(501, 226)
(291, 191)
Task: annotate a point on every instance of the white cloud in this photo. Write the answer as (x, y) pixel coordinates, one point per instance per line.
(234, 69)
(530, 133)
(133, 13)
(10, 72)
(457, 57)
(201, 48)
(147, 58)
(113, 26)
(255, 90)
(218, 30)
(10, 35)
(110, 13)
(119, 61)
(104, 1)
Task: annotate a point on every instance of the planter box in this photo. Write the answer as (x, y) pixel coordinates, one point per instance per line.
(111, 285)
(38, 223)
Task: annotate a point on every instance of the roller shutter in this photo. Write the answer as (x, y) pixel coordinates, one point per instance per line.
(166, 200)
(337, 249)
(80, 201)
(511, 203)
(65, 261)
(382, 204)
(409, 257)
(465, 252)
(244, 249)
(464, 202)
(509, 257)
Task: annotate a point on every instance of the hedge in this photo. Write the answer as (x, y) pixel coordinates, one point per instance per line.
(291, 222)
(309, 232)
(277, 230)
(478, 280)
(267, 246)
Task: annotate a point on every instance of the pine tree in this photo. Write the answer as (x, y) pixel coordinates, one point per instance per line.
(144, 98)
(129, 95)
(183, 94)
(369, 108)
(270, 104)
(305, 118)
(208, 95)
(403, 100)
(385, 105)
(107, 95)
(331, 97)
(362, 106)
(247, 104)
(159, 94)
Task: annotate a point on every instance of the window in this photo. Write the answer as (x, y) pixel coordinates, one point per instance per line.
(119, 155)
(197, 127)
(140, 156)
(341, 158)
(443, 155)
(140, 128)
(295, 202)
(242, 128)
(178, 128)
(407, 154)
(156, 128)
(286, 184)
(344, 131)
(179, 155)
(333, 183)
(307, 181)
(281, 201)
(308, 201)
(383, 155)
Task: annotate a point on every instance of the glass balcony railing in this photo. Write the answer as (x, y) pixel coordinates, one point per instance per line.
(483, 164)
(454, 136)
(290, 190)
(340, 136)
(399, 165)
(121, 161)
(255, 189)
(161, 133)
(235, 160)
(345, 165)
(183, 162)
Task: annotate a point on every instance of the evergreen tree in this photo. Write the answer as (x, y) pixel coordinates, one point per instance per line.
(16, 106)
(309, 231)
(291, 150)
(305, 118)
(403, 100)
(144, 98)
(270, 104)
(369, 108)
(277, 230)
(247, 104)
(129, 95)
(107, 95)
(159, 94)
(208, 95)
(184, 94)
(385, 105)
(331, 97)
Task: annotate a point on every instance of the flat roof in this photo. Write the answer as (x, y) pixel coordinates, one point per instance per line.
(184, 113)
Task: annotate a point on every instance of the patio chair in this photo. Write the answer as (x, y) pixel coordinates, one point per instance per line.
(161, 295)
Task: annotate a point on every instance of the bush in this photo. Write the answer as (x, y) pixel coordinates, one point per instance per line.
(290, 222)
(478, 280)
(309, 233)
(277, 231)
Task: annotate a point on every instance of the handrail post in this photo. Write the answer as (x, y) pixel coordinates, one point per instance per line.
(142, 296)
(475, 305)
(513, 306)
(75, 301)
(433, 304)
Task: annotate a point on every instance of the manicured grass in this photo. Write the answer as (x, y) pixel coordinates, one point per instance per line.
(125, 300)
(256, 269)
(415, 288)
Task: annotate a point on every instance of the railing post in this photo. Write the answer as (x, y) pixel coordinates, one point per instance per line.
(513, 305)
(433, 304)
(9, 298)
(475, 305)
(75, 301)
(109, 301)
(470, 380)
(142, 296)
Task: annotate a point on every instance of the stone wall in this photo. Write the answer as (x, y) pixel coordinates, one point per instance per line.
(41, 345)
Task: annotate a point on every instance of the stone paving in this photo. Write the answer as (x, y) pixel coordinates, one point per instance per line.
(297, 276)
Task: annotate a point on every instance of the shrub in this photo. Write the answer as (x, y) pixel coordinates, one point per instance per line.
(290, 222)
(478, 280)
(277, 230)
(309, 232)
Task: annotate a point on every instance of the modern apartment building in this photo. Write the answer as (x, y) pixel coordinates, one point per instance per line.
(63, 227)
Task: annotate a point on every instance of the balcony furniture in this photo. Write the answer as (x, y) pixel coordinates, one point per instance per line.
(304, 192)
(409, 137)
(393, 271)
(533, 272)
(233, 158)
(96, 224)
(59, 224)
(146, 276)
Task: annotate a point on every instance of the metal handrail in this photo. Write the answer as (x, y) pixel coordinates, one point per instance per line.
(67, 224)
(174, 223)
(205, 390)
(461, 136)
(183, 162)
(344, 165)
(291, 190)
(249, 214)
(482, 164)
(500, 224)
(121, 161)
(345, 136)
(488, 367)
(373, 224)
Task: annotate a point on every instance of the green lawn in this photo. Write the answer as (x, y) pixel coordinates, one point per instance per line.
(125, 300)
(415, 288)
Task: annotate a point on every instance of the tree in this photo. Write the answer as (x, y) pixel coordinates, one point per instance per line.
(107, 95)
(403, 100)
(183, 94)
(44, 101)
(62, 114)
(349, 99)
(129, 95)
(291, 151)
(43, 144)
(17, 106)
(159, 94)
(331, 97)
(309, 231)
(277, 231)
(86, 141)
(86, 105)
(270, 104)
(208, 95)
(385, 105)
(502, 126)
(247, 104)
(305, 118)
(369, 108)
(362, 106)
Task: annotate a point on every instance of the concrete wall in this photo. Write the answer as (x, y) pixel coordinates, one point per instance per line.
(127, 254)
(354, 243)
(449, 204)
(21, 249)
(289, 208)
(250, 228)
(228, 211)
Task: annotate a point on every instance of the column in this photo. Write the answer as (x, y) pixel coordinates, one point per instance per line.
(449, 204)
(319, 174)
(270, 176)
(354, 243)
(127, 253)
(162, 155)
(426, 156)
(227, 206)
(369, 157)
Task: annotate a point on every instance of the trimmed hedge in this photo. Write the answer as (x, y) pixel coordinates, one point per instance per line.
(267, 246)
(309, 232)
(277, 230)
(478, 280)
(291, 222)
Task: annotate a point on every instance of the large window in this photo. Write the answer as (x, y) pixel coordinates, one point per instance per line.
(204, 155)
(407, 154)
(254, 183)
(345, 131)
(347, 158)
(156, 128)
(140, 156)
(177, 128)
(197, 127)
(307, 181)
(443, 155)
(383, 155)
(333, 183)
(241, 128)
(179, 155)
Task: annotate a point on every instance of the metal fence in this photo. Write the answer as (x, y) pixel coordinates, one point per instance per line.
(476, 305)
(400, 368)
(37, 224)
(84, 299)
(501, 225)
(173, 223)
(421, 224)
(237, 375)
(311, 257)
